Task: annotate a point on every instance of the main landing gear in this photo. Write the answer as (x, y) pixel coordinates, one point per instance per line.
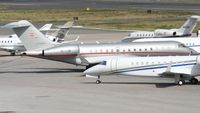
(180, 81)
(12, 53)
(98, 80)
(194, 81)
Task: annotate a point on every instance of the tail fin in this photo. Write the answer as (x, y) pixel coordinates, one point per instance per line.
(189, 25)
(44, 29)
(63, 30)
(30, 36)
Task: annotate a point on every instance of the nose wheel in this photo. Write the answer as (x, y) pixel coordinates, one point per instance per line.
(98, 80)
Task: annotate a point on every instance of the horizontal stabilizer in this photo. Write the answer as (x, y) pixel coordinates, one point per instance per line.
(66, 25)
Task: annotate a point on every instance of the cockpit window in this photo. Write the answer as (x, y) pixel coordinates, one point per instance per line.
(181, 45)
(103, 63)
(10, 36)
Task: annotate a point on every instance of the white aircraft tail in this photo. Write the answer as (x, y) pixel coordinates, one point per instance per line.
(189, 25)
(30, 36)
(64, 29)
(44, 29)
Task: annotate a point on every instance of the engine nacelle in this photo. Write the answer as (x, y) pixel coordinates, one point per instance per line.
(165, 33)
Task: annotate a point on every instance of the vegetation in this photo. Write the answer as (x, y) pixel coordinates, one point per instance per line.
(114, 19)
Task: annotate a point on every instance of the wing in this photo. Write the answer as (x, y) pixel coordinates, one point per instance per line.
(170, 71)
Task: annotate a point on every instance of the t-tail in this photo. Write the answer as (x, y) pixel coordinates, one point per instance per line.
(63, 31)
(30, 36)
(44, 29)
(189, 25)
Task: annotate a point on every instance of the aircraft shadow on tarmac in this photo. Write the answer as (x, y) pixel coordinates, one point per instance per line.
(46, 70)
(157, 85)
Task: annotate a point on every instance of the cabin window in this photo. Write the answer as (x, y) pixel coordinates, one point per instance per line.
(134, 49)
(129, 50)
(145, 49)
(111, 50)
(124, 50)
(140, 49)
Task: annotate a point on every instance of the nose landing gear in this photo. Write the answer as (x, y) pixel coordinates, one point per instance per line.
(98, 80)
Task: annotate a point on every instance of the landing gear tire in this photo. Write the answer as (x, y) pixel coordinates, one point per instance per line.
(98, 81)
(180, 82)
(194, 81)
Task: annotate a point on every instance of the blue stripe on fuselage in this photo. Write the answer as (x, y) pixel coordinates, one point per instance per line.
(155, 67)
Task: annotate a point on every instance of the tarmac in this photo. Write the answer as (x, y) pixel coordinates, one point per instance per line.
(32, 85)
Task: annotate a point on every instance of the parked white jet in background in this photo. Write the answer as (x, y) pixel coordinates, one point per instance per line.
(191, 42)
(185, 30)
(14, 45)
(180, 68)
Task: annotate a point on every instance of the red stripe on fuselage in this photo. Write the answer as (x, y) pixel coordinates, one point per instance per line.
(115, 53)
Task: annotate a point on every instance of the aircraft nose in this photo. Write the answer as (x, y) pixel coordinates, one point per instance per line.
(96, 70)
(91, 71)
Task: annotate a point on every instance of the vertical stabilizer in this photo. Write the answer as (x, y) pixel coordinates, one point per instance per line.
(63, 30)
(30, 36)
(189, 25)
(44, 29)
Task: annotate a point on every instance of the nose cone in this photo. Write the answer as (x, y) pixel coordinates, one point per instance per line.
(96, 70)
(92, 71)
